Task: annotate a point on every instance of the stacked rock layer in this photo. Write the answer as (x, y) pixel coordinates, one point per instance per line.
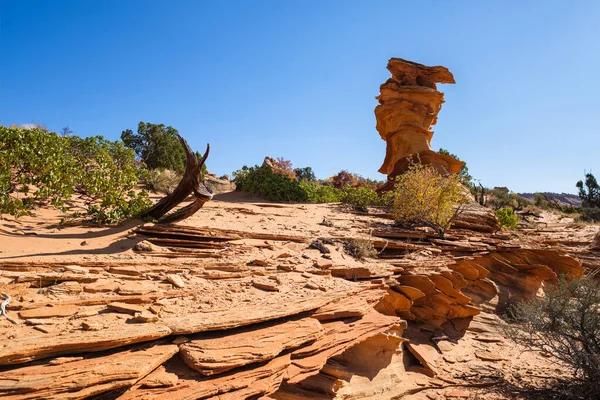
(409, 103)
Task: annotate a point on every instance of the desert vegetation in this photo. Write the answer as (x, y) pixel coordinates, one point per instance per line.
(91, 178)
(276, 180)
(589, 193)
(564, 324)
(424, 196)
(43, 168)
(507, 218)
(162, 180)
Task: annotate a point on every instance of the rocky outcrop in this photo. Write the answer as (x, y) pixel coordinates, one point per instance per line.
(232, 350)
(409, 103)
(475, 217)
(255, 312)
(79, 378)
(217, 185)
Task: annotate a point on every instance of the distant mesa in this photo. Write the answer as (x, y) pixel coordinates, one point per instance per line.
(409, 103)
(567, 199)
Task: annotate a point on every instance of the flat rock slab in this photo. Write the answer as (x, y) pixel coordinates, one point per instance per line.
(393, 302)
(410, 292)
(352, 273)
(160, 378)
(49, 312)
(84, 377)
(228, 351)
(242, 316)
(137, 288)
(488, 356)
(176, 280)
(323, 263)
(354, 305)
(191, 385)
(126, 308)
(339, 336)
(21, 350)
(426, 354)
(51, 278)
(100, 286)
(266, 284)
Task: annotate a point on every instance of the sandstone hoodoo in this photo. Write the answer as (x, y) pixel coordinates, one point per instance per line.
(409, 103)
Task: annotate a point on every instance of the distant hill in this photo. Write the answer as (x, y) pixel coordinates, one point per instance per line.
(565, 198)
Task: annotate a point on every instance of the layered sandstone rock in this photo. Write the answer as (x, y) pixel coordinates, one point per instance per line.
(420, 316)
(409, 103)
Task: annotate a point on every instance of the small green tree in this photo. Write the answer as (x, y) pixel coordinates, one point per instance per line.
(156, 145)
(305, 174)
(589, 191)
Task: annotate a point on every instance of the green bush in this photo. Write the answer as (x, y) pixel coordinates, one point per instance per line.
(359, 198)
(40, 168)
(565, 325)
(507, 218)
(157, 146)
(320, 193)
(305, 174)
(590, 214)
(589, 191)
(262, 181)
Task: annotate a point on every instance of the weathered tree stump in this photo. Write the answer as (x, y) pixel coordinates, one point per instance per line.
(190, 183)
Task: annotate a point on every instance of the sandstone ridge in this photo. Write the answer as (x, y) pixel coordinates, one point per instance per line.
(208, 311)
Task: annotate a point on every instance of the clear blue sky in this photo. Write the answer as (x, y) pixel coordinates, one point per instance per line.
(298, 79)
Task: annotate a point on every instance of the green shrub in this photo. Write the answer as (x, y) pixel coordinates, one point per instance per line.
(507, 218)
(39, 168)
(423, 196)
(590, 214)
(565, 325)
(386, 199)
(262, 181)
(157, 146)
(589, 191)
(359, 198)
(319, 193)
(275, 184)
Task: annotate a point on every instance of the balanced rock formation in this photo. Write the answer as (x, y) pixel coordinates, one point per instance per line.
(409, 103)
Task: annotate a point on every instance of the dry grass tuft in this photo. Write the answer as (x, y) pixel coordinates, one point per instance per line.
(360, 248)
(162, 180)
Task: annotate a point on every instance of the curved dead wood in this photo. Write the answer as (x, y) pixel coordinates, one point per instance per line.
(190, 183)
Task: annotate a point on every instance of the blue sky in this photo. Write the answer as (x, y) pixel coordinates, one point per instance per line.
(298, 79)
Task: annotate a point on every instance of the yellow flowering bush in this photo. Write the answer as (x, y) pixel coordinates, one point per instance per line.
(425, 197)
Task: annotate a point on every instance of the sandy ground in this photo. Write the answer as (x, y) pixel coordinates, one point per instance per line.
(42, 237)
